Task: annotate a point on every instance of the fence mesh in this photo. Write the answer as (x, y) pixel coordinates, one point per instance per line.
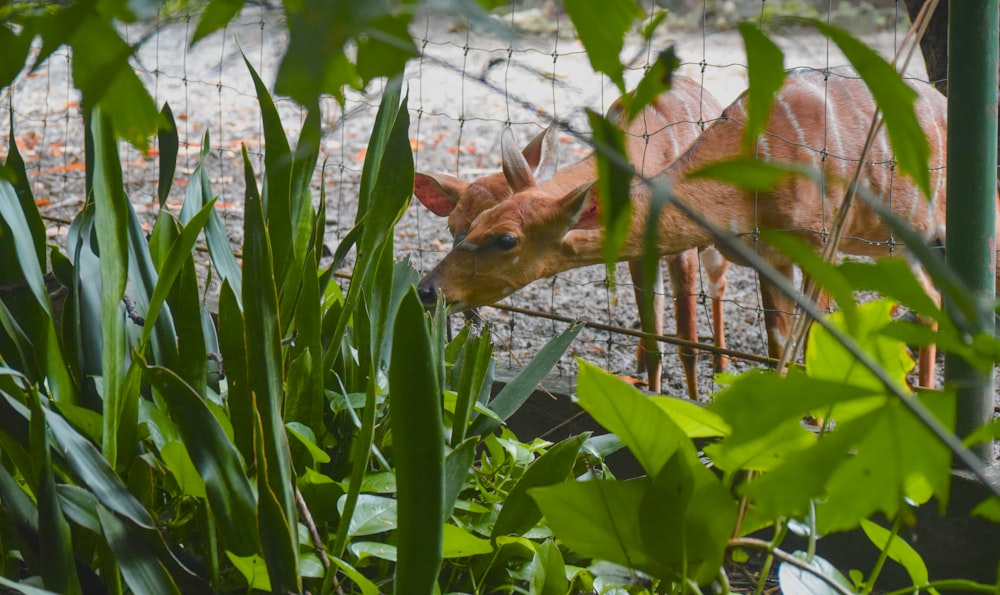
(467, 84)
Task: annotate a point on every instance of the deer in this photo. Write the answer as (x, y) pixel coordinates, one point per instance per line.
(819, 119)
(670, 124)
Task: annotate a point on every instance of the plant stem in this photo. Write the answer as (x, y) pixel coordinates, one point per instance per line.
(883, 554)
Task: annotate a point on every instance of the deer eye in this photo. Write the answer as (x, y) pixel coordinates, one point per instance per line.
(506, 242)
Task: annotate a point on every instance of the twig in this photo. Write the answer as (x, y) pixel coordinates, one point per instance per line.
(786, 557)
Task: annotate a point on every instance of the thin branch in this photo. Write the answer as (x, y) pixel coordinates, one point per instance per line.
(790, 559)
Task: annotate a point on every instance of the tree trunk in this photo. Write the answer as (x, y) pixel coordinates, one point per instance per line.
(934, 44)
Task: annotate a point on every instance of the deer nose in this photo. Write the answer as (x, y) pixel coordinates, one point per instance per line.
(426, 292)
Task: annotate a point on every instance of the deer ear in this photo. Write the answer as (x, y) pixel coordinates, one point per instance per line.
(515, 166)
(579, 207)
(438, 192)
(542, 152)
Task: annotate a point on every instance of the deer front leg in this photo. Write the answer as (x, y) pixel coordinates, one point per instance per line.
(778, 310)
(684, 281)
(650, 301)
(927, 355)
(715, 266)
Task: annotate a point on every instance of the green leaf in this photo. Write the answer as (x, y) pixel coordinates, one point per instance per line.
(253, 569)
(375, 549)
(215, 16)
(644, 428)
(372, 515)
(459, 543)
(229, 492)
(94, 471)
(110, 225)
(169, 144)
(688, 518)
(457, 466)
(276, 503)
(766, 74)
(15, 48)
(29, 210)
(517, 391)
(827, 359)
(898, 550)
(887, 449)
(102, 72)
(367, 587)
(140, 568)
(602, 27)
(828, 276)
(895, 99)
(655, 82)
(613, 182)
(519, 512)
(548, 571)
(386, 46)
(750, 174)
(473, 370)
(418, 449)
(600, 519)
(693, 418)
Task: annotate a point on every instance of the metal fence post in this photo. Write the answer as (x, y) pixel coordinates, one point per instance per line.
(972, 186)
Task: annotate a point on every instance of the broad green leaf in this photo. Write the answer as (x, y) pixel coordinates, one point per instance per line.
(102, 73)
(827, 359)
(175, 456)
(796, 581)
(372, 515)
(895, 99)
(601, 27)
(893, 278)
(988, 509)
(253, 569)
(418, 449)
(898, 550)
(517, 391)
(23, 588)
(888, 450)
(229, 492)
(613, 182)
(459, 543)
(15, 57)
(766, 73)
(519, 512)
(215, 16)
(306, 437)
(692, 418)
(375, 549)
(688, 518)
(548, 570)
(600, 519)
(386, 46)
(141, 569)
(644, 428)
(278, 536)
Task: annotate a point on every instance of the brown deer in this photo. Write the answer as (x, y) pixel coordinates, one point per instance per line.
(817, 120)
(653, 139)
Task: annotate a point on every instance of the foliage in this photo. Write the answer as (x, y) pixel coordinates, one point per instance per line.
(304, 438)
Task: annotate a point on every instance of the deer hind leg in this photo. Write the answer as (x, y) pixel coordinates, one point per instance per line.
(684, 282)
(778, 309)
(649, 298)
(715, 266)
(927, 355)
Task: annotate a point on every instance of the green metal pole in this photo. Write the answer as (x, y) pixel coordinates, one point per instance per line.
(972, 186)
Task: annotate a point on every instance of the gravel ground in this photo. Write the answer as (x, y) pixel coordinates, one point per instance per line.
(466, 86)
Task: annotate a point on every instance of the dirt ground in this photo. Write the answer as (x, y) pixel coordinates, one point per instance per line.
(466, 86)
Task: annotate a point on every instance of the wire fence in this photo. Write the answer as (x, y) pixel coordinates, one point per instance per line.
(467, 84)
